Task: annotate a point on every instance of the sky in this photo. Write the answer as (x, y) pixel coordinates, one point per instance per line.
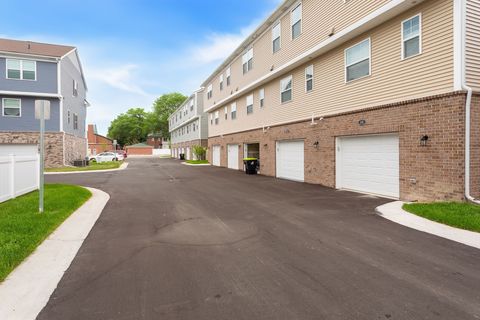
(133, 51)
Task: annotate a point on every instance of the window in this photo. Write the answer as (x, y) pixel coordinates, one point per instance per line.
(188, 129)
(247, 61)
(250, 104)
(309, 78)
(75, 88)
(261, 95)
(11, 107)
(226, 113)
(229, 73)
(75, 121)
(191, 105)
(411, 37)
(217, 114)
(21, 69)
(209, 91)
(296, 21)
(286, 89)
(68, 116)
(357, 61)
(233, 110)
(194, 127)
(221, 82)
(211, 118)
(276, 33)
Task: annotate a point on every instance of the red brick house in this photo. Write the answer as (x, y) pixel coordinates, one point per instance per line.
(96, 142)
(139, 149)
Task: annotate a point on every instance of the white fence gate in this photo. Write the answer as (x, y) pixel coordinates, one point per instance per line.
(18, 175)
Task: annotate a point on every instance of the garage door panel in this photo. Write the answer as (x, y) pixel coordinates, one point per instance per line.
(232, 156)
(369, 164)
(216, 155)
(290, 160)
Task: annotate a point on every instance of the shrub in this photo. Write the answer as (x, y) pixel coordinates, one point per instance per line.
(199, 152)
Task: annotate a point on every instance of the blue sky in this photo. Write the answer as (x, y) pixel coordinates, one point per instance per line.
(133, 51)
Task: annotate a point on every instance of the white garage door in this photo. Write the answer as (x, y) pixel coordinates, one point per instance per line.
(369, 164)
(216, 155)
(188, 154)
(18, 149)
(232, 156)
(290, 160)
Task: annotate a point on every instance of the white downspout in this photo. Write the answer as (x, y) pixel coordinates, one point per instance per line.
(468, 105)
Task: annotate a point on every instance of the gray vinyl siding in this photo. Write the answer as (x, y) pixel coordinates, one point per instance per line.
(46, 81)
(74, 104)
(27, 121)
(190, 136)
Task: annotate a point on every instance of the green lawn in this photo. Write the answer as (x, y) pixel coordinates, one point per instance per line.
(197, 161)
(460, 215)
(92, 166)
(22, 228)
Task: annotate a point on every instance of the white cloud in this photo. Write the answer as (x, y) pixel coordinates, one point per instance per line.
(118, 77)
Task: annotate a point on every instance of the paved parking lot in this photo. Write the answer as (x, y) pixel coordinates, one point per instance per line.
(180, 242)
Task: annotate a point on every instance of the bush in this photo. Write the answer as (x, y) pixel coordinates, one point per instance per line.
(199, 152)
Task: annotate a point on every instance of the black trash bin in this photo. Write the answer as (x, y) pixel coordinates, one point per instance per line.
(251, 165)
(182, 156)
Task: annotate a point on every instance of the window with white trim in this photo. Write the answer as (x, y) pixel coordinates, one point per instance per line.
(209, 91)
(68, 116)
(250, 104)
(226, 113)
(247, 61)
(11, 107)
(276, 37)
(286, 89)
(211, 118)
(217, 116)
(75, 121)
(221, 81)
(233, 111)
(229, 73)
(357, 61)
(21, 69)
(261, 96)
(75, 88)
(296, 21)
(411, 37)
(309, 78)
(191, 105)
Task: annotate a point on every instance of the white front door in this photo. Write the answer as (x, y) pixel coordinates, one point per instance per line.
(290, 160)
(232, 156)
(216, 155)
(369, 164)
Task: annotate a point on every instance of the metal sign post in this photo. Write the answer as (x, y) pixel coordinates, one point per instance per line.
(42, 112)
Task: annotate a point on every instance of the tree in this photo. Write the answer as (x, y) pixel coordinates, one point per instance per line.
(163, 107)
(199, 152)
(130, 127)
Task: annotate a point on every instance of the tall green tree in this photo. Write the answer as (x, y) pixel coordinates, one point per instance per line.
(130, 127)
(163, 107)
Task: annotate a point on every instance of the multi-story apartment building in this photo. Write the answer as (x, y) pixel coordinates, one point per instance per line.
(380, 97)
(188, 126)
(31, 71)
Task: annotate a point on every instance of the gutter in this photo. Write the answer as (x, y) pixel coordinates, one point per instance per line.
(468, 102)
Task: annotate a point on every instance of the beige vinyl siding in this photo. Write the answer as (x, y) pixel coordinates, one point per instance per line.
(392, 79)
(318, 19)
(473, 44)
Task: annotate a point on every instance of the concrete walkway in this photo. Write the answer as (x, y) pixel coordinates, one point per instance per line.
(28, 288)
(393, 211)
(123, 166)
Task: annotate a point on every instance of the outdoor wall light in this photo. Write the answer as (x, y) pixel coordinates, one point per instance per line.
(265, 145)
(315, 144)
(423, 141)
(362, 122)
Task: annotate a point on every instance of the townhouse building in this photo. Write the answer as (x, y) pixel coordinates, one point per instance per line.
(188, 126)
(380, 97)
(31, 71)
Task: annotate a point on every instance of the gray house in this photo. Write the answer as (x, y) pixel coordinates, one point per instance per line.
(30, 71)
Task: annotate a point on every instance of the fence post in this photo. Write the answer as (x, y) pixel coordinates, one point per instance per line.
(12, 176)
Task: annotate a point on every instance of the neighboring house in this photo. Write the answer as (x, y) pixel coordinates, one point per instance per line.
(367, 96)
(30, 71)
(139, 149)
(156, 141)
(96, 142)
(188, 126)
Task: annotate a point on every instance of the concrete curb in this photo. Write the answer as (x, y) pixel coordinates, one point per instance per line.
(28, 288)
(197, 165)
(393, 211)
(122, 167)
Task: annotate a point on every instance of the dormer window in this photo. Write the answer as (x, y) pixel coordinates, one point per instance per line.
(21, 69)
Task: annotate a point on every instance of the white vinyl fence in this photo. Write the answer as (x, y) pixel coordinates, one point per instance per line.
(18, 175)
(161, 152)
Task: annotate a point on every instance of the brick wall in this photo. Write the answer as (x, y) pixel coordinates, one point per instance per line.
(146, 151)
(475, 148)
(438, 168)
(190, 144)
(75, 148)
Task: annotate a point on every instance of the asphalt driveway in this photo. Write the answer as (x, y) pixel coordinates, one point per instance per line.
(179, 242)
